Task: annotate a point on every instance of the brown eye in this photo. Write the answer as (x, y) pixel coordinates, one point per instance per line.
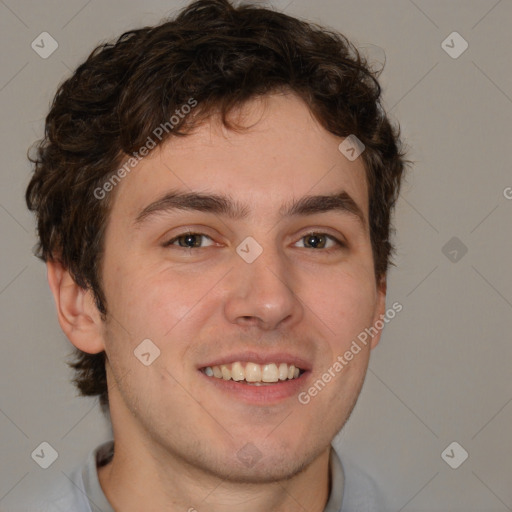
(187, 240)
(320, 241)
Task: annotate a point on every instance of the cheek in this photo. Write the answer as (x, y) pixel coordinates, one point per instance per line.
(171, 310)
(345, 302)
(172, 303)
(149, 302)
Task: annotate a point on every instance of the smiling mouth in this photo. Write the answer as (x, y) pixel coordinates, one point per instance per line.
(253, 373)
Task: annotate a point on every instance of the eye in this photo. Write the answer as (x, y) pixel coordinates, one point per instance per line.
(314, 240)
(188, 240)
(320, 241)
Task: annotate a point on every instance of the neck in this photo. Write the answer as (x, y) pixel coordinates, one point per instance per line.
(140, 481)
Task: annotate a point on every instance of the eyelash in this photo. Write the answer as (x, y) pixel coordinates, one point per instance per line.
(339, 243)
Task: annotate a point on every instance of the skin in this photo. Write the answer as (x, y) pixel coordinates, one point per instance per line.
(176, 435)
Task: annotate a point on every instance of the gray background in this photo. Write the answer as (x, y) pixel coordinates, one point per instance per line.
(442, 371)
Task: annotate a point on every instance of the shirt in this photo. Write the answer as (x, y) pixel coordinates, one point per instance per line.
(351, 491)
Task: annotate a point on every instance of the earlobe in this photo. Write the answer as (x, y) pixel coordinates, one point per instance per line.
(77, 313)
(380, 311)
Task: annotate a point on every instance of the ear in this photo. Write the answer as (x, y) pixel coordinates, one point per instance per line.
(380, 309)
(78, 315)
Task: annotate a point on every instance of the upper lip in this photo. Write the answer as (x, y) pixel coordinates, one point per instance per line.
(260, 357)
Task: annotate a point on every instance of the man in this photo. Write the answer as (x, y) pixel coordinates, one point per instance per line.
(214, 197)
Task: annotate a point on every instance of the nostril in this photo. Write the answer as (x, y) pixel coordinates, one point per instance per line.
(248, 320)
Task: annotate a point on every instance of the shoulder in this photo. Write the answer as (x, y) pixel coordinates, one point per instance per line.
(65, 493)
(361, 492)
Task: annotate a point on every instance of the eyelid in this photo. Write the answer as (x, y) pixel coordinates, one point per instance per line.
(323, 230)
(188, 229)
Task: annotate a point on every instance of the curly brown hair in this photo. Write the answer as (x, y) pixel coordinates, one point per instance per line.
(221, 56)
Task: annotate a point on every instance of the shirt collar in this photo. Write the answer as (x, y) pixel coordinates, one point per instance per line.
(337, 483)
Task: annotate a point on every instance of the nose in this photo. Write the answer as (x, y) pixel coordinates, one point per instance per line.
(262, 293)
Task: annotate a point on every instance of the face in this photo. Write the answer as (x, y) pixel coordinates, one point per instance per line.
(246, 272)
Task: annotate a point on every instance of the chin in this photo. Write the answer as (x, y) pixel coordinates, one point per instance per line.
(261, 462)
(267, 469)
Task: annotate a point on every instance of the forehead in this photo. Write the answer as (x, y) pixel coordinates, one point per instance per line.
(283, 156)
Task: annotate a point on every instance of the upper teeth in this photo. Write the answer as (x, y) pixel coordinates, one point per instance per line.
(253, 372)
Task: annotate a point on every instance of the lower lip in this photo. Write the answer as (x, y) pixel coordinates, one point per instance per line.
(265, 394)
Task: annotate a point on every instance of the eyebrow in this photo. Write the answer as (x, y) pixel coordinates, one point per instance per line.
(224, 205)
